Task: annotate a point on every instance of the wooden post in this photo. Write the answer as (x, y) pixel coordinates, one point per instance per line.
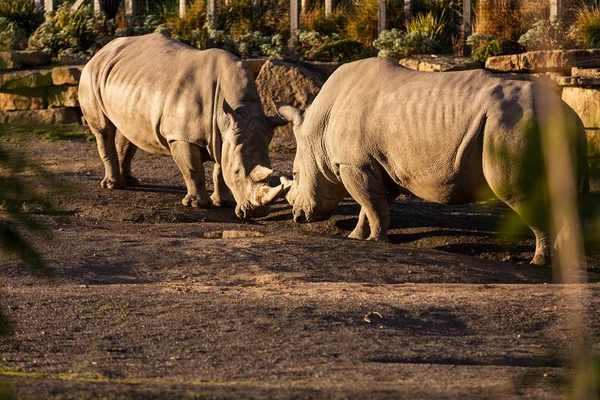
(328, 8)
(129, 7)
(407, 10)
(381, 20)
(49, 5)
(555, 9)
(182, 7)
(466, 26)
(98, 6)
(39, 4)
(211, 11)
(294, 17)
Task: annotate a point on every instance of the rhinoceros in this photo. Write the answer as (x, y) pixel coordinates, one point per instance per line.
(165, 97)
(377, 129)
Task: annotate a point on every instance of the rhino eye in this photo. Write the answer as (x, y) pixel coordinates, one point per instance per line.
(237, 171)
(294, 174)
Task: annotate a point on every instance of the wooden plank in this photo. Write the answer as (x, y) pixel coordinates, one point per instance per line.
(98, 6)
(328, 8)
(211, 11)
(129, 7)
(182, 7)
(294, 17)
(555, 8)
(381, 20)
(49, 5)
(466, 26)
(408, 7)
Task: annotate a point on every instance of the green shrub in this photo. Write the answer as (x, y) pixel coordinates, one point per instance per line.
(585, 30)
(277, 46)
(396, 44)
(11, 36)
(428, 25)
(315, 20)
(343, 50)
(477, 40)
(546, 35)
(362, 19)
(72, 31)
(496, 47)
(191, 28)
(23, 13)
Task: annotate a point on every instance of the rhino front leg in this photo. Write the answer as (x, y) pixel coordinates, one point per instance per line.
(126, 150)
(221, 196)
(362, 230)
(367, 188)
(105, 139)
(188, 158)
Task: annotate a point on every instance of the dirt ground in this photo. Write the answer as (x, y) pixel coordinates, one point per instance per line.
(149, 302)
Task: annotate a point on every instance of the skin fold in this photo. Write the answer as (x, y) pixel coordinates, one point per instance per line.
(377, 129)
(157, 94)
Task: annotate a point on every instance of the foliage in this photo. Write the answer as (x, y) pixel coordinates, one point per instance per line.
(315, 20)
(502, 18)
(277, 46)
(477, 40)
(395, 44)
(343, 50)
(546, 35)
(496, 47)
(191, 28)
(22, 13)
(240, 17)
(11, 36)
(362, 19)
(428, 25)
(585, 30)
(67, 31)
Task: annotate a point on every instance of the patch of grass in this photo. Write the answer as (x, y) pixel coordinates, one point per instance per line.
(16, 133)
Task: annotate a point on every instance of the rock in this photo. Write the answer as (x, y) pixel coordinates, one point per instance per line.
(18, 59)
(255, 65)
(66, 75)
(63, 96)
(46, 116)
(322, 68)
(542, 61)
(586, 103)
(11, 81)
(586, 72)
(282, 80)
(32, 99)
(435, 63)
(74, 59)
(578, 81)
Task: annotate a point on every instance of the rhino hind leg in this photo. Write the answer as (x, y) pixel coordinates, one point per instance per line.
(126, 150)
(188, 158)
(105, 139)
(222, 196)
(362, 230)
(367, 188)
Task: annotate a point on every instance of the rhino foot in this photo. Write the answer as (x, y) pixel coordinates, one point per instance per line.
(132, 181)
(112, 185)
(195, 201)
(541, 260)
(219, 201)
(383, 238)
(358, 235)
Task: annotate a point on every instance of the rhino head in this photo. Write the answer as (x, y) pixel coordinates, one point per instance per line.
(315, 191)
(245, 160)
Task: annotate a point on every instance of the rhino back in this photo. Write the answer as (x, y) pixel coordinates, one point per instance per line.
(425, 129)
(156, 89)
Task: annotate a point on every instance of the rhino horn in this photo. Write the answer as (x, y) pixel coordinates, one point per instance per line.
(260, 173)
(276, 121)
(264, 195)
(289, 113)
(287, 183)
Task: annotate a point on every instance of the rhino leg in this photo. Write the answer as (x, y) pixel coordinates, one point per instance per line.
(126, 150)
(188, 158)
(367, 188)
(362, 229)
(221, 196)
(105, 139)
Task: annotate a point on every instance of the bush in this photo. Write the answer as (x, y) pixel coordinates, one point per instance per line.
(68, 31)
(477, 40)
(545, 35)
(315, 20)
(343, 50)
(11, 36)
(192, 28)
(24, 15)
(428, 25)
(586, 26)
(496, 47)
(362, 19)
(502, 18)
(395, 44)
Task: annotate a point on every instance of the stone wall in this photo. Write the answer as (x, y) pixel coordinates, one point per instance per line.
(34, 91)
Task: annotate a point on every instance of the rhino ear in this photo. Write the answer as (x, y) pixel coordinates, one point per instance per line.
(290, 113)
(260, 173)
(237, 118)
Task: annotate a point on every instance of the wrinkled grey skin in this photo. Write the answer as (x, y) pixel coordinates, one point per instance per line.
(377, 129)
(165, 97)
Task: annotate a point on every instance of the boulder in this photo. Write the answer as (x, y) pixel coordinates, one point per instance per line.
(435, 63)
(17, 80)
(542, 61)
(74, 59)
(33, 99)
(586, 72)
(18, 59)
(63, 96)
(46, 116)
(66, 75)
(586, 103)
(289, 82)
